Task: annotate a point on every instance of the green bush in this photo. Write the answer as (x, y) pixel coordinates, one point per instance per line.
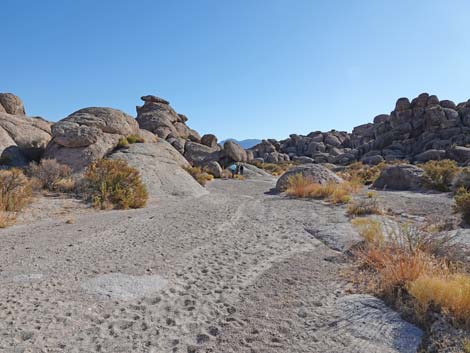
(135, 139)
(114, 184)
(439, 174)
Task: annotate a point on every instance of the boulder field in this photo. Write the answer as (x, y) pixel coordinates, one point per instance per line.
(419, 130)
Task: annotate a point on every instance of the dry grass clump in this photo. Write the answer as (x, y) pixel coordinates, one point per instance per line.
(51, 175)
(364, 207)
(440, 174)
(369, 229)
(15, 194)
(406, 264)
(363, 173)
(199, 175)
(336, 193)
(15, 190)
(450, 292)
(114, 184)
(129, 140)
(275, 169)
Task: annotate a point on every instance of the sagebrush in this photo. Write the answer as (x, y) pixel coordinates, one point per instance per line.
(51, 175)
(114, 184)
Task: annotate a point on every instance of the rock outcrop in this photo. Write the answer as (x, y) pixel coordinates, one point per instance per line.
(89, 134)
(418, 130)
(315, 172)
(161, 168)
(11, 104)
(400, 177)
(157, 116)
(22, 138)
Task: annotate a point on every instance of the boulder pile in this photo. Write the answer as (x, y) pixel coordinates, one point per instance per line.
(88, 135)
(419, 130)
(22, 138)
(158, 117)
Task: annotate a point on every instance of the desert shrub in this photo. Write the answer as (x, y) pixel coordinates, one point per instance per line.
(15, 190)
(199, 175)
(51, 175)
(413, 269)
(362, 173)
(440, 174)
(122, 143)
(369, 229)
(451, 293)
(462, 203)
(335, 193)
(131, 139)
(114, 184)
(363, 207)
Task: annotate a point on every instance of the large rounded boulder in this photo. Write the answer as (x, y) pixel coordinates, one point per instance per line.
(89, 134)
(161, 168)
(400, 177)
(315, 172)
(235, 152)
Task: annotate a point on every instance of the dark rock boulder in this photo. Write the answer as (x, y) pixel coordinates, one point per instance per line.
(400, 177)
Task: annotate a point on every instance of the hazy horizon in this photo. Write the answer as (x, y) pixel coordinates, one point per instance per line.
(243, 70)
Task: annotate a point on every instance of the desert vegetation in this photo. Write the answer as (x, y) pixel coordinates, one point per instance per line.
(438, 175)
(15, 194)
(129, 140)
(114, 184)
(50, 175)
(201, 176)
(335, 193)
(412, 268)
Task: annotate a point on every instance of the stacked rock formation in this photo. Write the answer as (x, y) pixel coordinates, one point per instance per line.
(419, 130)
(22, 138)
(157, 116)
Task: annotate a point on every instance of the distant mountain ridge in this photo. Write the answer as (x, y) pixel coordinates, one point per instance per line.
(248, 143)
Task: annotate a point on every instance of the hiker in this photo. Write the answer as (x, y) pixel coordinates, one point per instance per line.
(241, 169)
(233, 169)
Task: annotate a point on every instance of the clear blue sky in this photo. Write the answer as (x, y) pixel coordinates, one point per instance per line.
(241, 68)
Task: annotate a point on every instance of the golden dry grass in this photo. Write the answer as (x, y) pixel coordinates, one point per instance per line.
(15, 190)
(369, 229)
(199, 175)
(451, 293)
(114, 184)
(335, 193)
